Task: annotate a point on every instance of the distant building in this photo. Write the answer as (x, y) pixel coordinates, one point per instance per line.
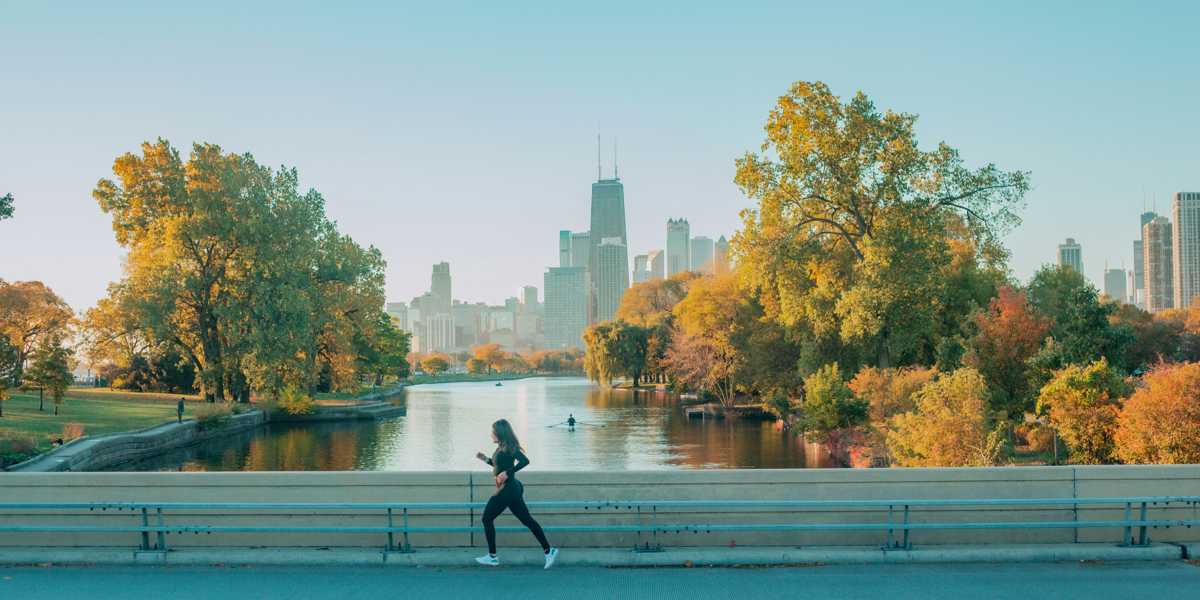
(439, 333)
(529, 298)
(564, 248)
(610, 273)
(468, 323)
(398, 311)
(1114, 285)
(1157, 254)
(581, 249)
(641, 268)
(440, 288)
(611, 277)
(1139, 264)
(566, 310)
(1185, 240)
(721, 258)
(657, 264)
(1070, 255)
(679, 251)
(703, 254)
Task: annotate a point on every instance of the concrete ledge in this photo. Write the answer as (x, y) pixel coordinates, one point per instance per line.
(594, 557)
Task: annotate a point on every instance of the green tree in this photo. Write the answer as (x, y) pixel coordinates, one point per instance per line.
(8, 366)
(30, 314)
(435, 364)
(6, 207)
(830, 412)
(1080, 322)
(952, 425)
(854, 223)
(601, 361)
(632, 348)
(50, 370)
(1082, 403)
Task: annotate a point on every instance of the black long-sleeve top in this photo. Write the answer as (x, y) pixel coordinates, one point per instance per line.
(504, 461)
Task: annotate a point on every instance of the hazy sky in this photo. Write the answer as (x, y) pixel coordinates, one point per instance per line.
(466, 132)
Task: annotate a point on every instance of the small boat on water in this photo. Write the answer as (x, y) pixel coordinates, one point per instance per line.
(499, 384)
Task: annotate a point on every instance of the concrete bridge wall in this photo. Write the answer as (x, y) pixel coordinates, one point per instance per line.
(814, 484)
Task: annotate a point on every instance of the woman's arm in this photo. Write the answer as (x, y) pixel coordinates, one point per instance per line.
(520, 461)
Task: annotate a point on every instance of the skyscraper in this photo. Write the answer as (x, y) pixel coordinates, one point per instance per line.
(612, 277)
(1070, 255)
(641, 268)
(581, 249)
(721, 258)
(657, 264)
(1139, 265)
(1185, 240)
(1157, 254)
(679, 252)
(566, 306)
(703, 253)
(440, 289)
(564, 248)
(1114, 284)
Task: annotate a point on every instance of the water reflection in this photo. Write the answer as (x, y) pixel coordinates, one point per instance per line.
(446, 424)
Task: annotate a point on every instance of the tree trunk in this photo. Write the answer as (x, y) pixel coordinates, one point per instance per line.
(42, 401)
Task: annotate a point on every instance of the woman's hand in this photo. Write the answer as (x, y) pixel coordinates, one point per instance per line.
(501, 478)
(481, 456)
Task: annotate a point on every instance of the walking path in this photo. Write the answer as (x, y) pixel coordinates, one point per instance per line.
(1090, 581)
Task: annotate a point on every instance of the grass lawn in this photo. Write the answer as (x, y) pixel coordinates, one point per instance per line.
(98, 410)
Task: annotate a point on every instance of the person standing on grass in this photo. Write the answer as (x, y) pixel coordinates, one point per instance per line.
(179, 410)
(508, 458)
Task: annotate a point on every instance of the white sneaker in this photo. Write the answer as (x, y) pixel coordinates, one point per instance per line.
(550, 557)
(488, 560)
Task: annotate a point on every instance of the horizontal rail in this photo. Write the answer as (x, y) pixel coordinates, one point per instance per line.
(601, 504)
(647, 512)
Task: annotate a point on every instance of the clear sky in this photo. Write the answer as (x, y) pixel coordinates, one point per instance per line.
(466, 131)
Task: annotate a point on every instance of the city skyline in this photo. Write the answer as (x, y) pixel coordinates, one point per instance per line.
(384, 122)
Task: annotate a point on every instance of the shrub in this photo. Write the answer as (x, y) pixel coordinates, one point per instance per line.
(831, 412)
(1082, 403)
(212, 416)
(1160, 423)
(952, 425)
(295, 402)
(71, 431)
(15, 448)
(1040, 439)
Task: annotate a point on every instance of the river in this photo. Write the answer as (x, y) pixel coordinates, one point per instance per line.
(446, 424)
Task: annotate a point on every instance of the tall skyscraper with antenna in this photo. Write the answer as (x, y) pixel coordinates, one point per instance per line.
(608, 229)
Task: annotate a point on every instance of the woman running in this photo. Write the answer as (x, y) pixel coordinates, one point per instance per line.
(506, 461)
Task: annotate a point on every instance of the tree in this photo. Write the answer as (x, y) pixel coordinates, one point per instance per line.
(1082, 404)
(1156, 338)
(650, 302)
(491, 355)
(952, 425)
(435, 364)
(632, 346)
(235, 269)
(6, 207)
(852, 231)
(8, 366)
(711, 321)
(601, 360)
(830, 411)
(50, 370)
(30, 314)
(1160, 423)
(889, 392)
(476, 366)
(1008, 333)
(1080, 321)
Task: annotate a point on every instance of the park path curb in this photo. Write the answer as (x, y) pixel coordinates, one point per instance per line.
(594, 557)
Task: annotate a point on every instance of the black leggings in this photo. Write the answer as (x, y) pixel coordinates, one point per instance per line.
(512, 498)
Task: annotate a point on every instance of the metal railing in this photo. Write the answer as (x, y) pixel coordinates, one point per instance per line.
(151, 517)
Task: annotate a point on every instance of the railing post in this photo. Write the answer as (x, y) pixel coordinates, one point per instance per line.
(641, 524)
(391, 543)
(407, 546)
(1128, 526)
(1143, 538)
(654, 525)
(887, 545)
(145, 529)
(162, 534)
(907, 544)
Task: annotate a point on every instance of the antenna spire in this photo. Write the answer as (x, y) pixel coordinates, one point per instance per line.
(615, 176)
(599, 174)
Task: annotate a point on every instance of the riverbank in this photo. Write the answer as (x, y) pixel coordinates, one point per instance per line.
(479, 378)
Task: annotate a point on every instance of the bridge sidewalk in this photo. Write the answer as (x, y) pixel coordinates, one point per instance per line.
(597, 557)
